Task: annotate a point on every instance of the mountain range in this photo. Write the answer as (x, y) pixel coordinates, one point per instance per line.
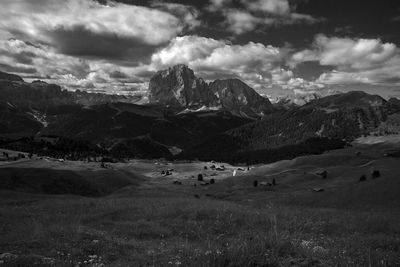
(186, 118)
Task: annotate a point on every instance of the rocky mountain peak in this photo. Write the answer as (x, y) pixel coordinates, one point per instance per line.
(178, 86)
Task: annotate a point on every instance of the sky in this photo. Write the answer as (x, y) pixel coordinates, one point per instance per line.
(281, 48)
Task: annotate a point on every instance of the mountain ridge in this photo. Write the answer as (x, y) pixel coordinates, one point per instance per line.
(235, 133)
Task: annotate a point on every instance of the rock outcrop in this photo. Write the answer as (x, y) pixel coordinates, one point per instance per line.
(178, 86)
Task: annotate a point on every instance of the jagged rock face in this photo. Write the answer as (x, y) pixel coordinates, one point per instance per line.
(178, 86)
(236, 95)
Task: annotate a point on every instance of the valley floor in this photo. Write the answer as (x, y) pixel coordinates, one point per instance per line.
(130, 214)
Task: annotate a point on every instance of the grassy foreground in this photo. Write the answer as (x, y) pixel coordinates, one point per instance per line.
(188, 231)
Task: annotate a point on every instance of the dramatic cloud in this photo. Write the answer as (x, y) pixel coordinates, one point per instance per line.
(84, 44)
(88, 28)
(354, 60)
(255, 63)
(116, 47)
(43, 62)
(43, 58)
(257, 13)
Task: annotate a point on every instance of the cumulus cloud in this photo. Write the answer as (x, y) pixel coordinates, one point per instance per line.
(260, 66)
(354, 60)
(252, 62)
(354, 54)
(255, 13)
(240, 21)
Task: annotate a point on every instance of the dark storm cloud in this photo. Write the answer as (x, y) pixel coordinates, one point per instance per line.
(118, 75)
(14, 69)
(145, 74)
(311, 70)
(81, 42)
(23, 57)
(123, 77)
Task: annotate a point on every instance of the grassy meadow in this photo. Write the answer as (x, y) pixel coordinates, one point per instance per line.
(155, 222)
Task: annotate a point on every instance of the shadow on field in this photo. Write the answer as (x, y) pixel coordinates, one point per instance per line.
(49, 181)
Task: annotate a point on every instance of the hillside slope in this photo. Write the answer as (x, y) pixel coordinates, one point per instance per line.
(321, 123)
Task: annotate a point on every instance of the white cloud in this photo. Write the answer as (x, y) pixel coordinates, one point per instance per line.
(258, 65)
(185, 50)
(354, 54)
(240, 21)
(355, 60)
(254, 63)
(209, 56)
(339, 77)
(281, 75)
